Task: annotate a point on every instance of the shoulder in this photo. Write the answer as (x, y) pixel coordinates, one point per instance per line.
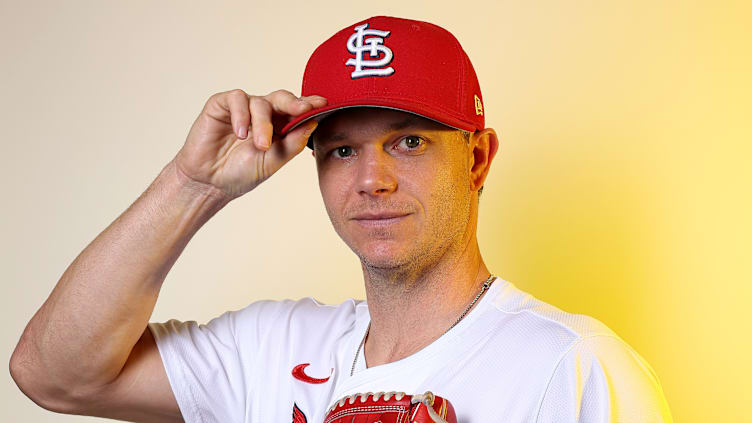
(591, 373)
(258, 323)
(574, 337)
(602, 378)
(307, 316)
(307, 307)
(543, 322)
(264, 321)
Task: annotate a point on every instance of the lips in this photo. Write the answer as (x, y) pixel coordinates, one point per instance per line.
(379, 219)
(379, 215)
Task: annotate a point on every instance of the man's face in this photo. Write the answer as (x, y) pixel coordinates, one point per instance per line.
(396, 186)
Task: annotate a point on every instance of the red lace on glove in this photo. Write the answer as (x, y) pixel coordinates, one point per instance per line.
(391, 407)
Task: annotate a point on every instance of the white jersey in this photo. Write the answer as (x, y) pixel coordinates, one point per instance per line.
(513, 358)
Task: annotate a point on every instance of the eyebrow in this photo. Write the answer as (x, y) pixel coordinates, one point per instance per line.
(405, 123)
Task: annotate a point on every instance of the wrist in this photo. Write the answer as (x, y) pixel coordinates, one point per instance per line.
(191, 189)
(184, 201)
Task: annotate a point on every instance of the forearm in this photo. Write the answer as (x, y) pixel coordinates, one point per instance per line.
(83, 334)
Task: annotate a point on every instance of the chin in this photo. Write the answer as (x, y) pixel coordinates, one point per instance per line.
(383, 255)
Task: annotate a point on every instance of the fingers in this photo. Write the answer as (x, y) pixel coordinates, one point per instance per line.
(316, 100)
(280, 102)
(259, 112)
(292, 144)
(237, 101)
(285, 103)
(233, 106)
(280, 152)
(261, 122)
(297, 139)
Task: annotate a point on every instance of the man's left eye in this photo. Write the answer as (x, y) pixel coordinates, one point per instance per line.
(412, 141)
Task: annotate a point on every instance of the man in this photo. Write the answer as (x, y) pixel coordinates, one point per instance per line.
(402, 153)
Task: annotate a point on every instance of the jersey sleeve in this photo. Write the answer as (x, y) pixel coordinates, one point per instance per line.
(602, 379)
(207, 369)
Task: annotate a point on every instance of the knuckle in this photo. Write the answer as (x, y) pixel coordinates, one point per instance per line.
(238, 92)
(258, 103)
(214, 97)
(282, 92)
(281, 96)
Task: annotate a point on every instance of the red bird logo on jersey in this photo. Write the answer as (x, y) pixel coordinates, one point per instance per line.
(297, 415)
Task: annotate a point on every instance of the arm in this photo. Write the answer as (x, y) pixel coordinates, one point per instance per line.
(87, 350)
(82, 336)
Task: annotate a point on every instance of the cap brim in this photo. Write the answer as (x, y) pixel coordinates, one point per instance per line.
(407, 106)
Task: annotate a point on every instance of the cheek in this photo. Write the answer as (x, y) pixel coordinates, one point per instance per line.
(334, 193)
(449, 196)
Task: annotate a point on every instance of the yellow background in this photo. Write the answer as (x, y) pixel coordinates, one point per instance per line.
(621, 189)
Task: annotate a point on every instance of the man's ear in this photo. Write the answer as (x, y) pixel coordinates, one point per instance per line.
(484, 145)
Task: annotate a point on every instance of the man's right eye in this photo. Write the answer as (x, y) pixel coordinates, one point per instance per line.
(343, 151)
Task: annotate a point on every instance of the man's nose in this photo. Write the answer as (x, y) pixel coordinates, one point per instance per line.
(375, 174)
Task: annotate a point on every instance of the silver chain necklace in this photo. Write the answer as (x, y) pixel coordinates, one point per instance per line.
(486, 285)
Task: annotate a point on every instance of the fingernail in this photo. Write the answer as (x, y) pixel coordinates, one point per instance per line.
(260, 142)
(242, 132)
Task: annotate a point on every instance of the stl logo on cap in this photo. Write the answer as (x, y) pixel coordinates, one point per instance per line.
(357, 44)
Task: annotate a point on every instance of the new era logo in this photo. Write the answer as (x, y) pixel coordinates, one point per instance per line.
(478, 106)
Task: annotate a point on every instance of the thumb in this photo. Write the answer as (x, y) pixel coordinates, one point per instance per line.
(282, 150)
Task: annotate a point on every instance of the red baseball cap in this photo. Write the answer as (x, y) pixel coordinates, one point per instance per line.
(394, 63)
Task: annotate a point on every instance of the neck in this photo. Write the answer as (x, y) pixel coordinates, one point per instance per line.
(430, 297)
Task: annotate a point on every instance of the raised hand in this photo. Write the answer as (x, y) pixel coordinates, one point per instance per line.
(232, 146)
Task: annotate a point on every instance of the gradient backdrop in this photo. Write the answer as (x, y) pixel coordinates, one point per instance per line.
(621, 189)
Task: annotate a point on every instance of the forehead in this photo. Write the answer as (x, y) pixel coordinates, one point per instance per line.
(365, 122)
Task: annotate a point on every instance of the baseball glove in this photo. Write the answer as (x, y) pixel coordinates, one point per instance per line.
(392, 407)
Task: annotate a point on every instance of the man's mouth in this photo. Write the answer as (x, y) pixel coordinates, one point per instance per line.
(380, 218)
